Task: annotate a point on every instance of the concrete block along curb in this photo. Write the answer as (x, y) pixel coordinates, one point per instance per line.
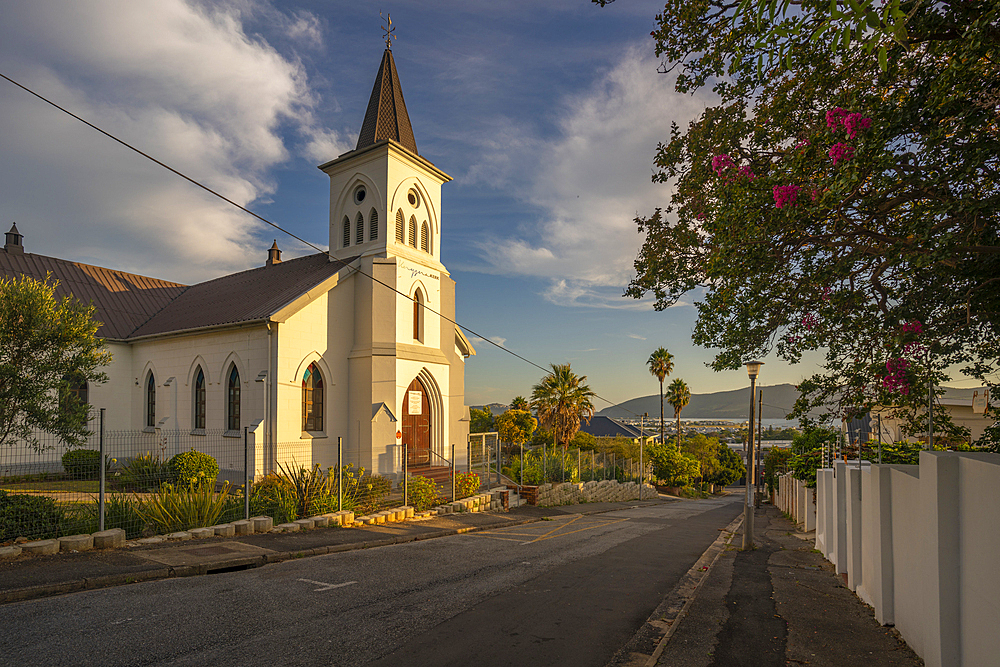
(41, 547)
(83, 542)
(9, 552)
(109, 539)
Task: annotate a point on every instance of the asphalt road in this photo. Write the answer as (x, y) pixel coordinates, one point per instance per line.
(570, 591)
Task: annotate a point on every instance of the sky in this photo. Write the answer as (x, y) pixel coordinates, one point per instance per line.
(547, 116)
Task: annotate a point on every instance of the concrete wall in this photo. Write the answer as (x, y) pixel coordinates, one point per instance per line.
(920, 544)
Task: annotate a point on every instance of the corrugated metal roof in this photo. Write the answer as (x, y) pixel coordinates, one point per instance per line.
(386, 116)
(124, 301)
(242, 297)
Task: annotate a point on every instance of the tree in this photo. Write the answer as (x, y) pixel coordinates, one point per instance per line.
(730, 468)
(520, 403)
(481, 421)
(561, 400)
(516, 426)
(705, 451)
(671, 466)
(661, 364)
(678, 396)
(46, 346)
(835, 203)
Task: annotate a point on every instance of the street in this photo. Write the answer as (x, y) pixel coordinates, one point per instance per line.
(570, 590)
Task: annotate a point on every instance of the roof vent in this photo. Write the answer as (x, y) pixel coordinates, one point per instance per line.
(273, 254)
(13, 243)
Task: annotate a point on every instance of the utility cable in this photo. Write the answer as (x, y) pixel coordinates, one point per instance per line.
(285, 231)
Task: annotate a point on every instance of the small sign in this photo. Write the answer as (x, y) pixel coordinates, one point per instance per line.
(399, 435)
(980, 400)
(416, 402)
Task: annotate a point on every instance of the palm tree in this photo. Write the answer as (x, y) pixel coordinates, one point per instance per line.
(520, 403)
(678, 395)
(661, 364)
(561, 400)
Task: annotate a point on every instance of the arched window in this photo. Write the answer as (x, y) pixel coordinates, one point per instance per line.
(400, 232)
(373, 225)
(312, 399)
(360, 234)
(413, 231)
(150, 400)
(233, 400)
(199, 398)
(74, 393)
(418, 315)
(347, 231)
(423, 237)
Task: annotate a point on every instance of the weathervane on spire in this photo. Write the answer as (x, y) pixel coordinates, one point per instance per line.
(388, 29)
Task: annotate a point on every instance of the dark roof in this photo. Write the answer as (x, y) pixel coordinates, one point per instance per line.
(129, 306)
(242, 297)
(124, 301)
(386, 117)
(607, 427)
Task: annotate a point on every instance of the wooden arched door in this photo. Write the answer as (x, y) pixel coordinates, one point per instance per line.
(417, 424)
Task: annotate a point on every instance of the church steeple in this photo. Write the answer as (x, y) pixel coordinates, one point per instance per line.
(386, 117)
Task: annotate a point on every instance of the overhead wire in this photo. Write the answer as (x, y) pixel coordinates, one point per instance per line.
(285, 231)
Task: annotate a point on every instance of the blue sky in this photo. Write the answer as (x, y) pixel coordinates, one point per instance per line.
(547, 115)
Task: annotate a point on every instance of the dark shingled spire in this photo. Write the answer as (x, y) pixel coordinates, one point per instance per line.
(386, 117)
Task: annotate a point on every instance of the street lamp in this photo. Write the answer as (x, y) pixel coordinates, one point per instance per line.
(753, 368)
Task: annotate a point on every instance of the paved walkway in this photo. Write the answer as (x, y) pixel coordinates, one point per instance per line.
(779, 604)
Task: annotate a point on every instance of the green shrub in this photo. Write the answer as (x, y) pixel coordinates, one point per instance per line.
(81, 463)
(314, 490)
(466, 484)
(272, 497)
(145, 472)
(422, 493)
(36, 517)
(192, 467)
(173, 508)
(121, 510)
(370, 491)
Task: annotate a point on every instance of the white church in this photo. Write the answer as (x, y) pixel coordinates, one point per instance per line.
(357, 344)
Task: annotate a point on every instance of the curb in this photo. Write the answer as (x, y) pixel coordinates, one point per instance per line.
(226, 565)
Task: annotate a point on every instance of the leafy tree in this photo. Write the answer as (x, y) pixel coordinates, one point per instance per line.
(46, 345)
(561, 400)
(678, 396)
(705, 451)
(674, 468)
(481, 421)
(777, 462)
(814, 437)
(661, 364)
(832, 202)
(520, 403)
(582, 440)
(730, 468)
(516, 426)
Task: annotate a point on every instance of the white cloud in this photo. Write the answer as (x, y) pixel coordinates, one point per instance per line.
(589, 183)
(185, 83)
(499, 340)
(636, 336)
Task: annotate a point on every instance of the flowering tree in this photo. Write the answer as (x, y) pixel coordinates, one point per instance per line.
(835, 203)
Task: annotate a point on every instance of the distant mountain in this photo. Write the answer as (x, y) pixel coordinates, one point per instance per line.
(735, 404)
(495, 408)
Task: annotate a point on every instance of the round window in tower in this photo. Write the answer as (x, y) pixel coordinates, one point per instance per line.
(414, 198)
(359, 194)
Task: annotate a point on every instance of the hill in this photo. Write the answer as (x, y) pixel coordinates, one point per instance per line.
(733, 404)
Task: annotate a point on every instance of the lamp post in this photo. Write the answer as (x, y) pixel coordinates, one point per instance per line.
(753, 368)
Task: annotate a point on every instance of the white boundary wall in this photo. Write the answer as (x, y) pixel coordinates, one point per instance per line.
(920, 544)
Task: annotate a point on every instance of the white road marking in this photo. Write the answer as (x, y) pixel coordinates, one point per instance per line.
(325, 586)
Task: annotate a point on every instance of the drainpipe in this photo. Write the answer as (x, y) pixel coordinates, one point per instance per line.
(271, 399)
(172, 382)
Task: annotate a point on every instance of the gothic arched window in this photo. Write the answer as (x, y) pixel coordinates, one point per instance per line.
(423, 237)
(73, 393)
(418, 316)
(312, 399)
(400, 232)
(360, 234)
(199, 398)
(413, 231)
(347, 231)
(233, 400)
(373, 225)
(150, 400)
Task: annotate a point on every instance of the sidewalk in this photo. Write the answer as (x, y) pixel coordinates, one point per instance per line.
(28, 577)
(779, 604)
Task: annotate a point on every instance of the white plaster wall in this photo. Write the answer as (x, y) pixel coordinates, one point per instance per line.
(979, 546)
(410, 275)
(909, 542)
(116, 394)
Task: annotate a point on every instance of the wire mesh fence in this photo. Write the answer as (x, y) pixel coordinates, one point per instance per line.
(531, 466)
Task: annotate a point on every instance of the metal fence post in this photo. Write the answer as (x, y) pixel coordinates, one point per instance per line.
(468, 457)
(453, 473)
(104, 466)
(340, 474)
(246, 473)
(406, 487)
(498, 460)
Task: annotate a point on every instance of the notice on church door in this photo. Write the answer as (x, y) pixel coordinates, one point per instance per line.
(415, 402)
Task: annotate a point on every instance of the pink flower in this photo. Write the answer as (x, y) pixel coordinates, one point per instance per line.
(896, 379)
(814, 194)
(840, 151)
(745, 171)
(913, 326)
(834, 117)
(826, 294)
(722, 162)
(809, 321)
(784, 195)
(802, 144)
(854, 122)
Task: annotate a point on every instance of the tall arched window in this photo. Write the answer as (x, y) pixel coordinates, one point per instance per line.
(423, 237)
(373, 225)
(312, 399)
(418, 315)
(233, 400)
(359, 235)
(400, 232)
(199, 398)
(150, 400)
(413, 231)
(347, 231)
(74, 393)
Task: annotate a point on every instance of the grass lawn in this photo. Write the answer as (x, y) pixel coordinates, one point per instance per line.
(58, 485)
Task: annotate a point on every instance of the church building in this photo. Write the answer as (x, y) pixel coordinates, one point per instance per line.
(357, 344)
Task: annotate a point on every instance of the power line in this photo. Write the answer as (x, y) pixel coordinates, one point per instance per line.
(283, 230)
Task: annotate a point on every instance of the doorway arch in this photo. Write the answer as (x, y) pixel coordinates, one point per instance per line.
(417, 419)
